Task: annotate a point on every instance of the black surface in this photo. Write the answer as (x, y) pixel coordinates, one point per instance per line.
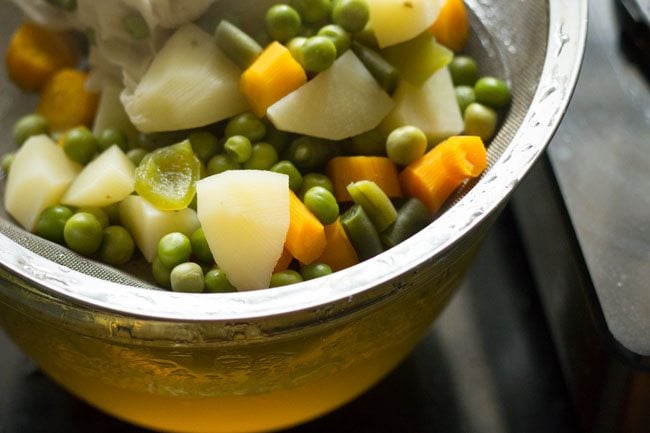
(487, 365)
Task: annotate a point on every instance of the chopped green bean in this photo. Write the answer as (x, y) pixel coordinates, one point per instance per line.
(374, 202)
(412, 216)
(308, 153)
(386, 74)
(238, 46)
(362, 233)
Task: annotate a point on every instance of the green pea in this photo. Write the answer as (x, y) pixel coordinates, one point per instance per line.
(352, 15)
(282, 22)
(51, 222)
(136, 26)
(263, 157)
(173, 249)
(369, 143)
(338, 35)
(204, 144)
(161, 273)
(99, 213)
(311, 180)
(317, 53)
(463, 70)
(66, 5)
(200, 247)
(28, 126)
(312, 11)
(464, 96)
(112, 211)
(322, 204)
(79, 144)
(308, 153)
(278, 139)
(287, 167)
(7, 160)
(217, 282)
(294, 46)
(405, 144)
(315, 270)
(220, 163)
(248, 125)
(117, 245)
(492, 92)
(187, 277)
(136, 155)
(111, 136)
(239, 148)
(83, 233)
(285, 278)
(480, 120)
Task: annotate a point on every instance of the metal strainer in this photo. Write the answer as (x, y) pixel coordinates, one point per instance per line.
(84, 321)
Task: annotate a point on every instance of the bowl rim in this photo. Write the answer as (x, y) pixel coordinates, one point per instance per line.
(561, 66)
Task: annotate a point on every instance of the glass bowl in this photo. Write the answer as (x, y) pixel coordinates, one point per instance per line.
(269, 359)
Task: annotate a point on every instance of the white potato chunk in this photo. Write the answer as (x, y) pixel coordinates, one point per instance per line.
(395, 21)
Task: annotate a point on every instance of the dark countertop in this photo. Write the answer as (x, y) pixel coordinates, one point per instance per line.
(487, 365)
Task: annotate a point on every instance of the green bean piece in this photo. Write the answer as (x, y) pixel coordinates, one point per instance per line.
(111, 136)
(480, 120)
(28, 126)
(173, 249)
(239, 148)
(374, 202)
(66, 5)
(322, 204)
(464, 96)
(362, 233)
(492, 92)
(352, 15)
(136, 155)
(187, 277)
(282, 22)
(311, 180)
(386, 74)
(99, 213)
(7, 160)
(136, 26)
(217, 282)
(263, 157)
(236, 44)
(338, 35)
(412, 217)
(200, 247)
(406, 144)
(79, 144)
(161, 274)
(117, 245)
(51, 222)
(308, 153)
(285, 278)
(369, 143)
(294, 46)
(463, 70)
(248, 125)
(317, 53)
(313, 11)
(220, 163)
(82, 233)
(315, 270)
(295, 177)
(204, 144)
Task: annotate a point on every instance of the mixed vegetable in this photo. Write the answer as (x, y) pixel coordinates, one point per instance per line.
(238, 161)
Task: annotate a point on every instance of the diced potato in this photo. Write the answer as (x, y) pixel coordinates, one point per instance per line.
(107, 179)
(39, 175)
(245, 218)
(190, 83)
(343, 101)
(148, 224)
(432, 108)
(395, 21)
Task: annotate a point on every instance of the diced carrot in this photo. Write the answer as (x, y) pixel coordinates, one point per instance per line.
(435, 175)
(65, 102)
(343, 170)
(306, 235)
(35, 53)
(339, 252)
(284, 261)
(273, 75)
(451, 28)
